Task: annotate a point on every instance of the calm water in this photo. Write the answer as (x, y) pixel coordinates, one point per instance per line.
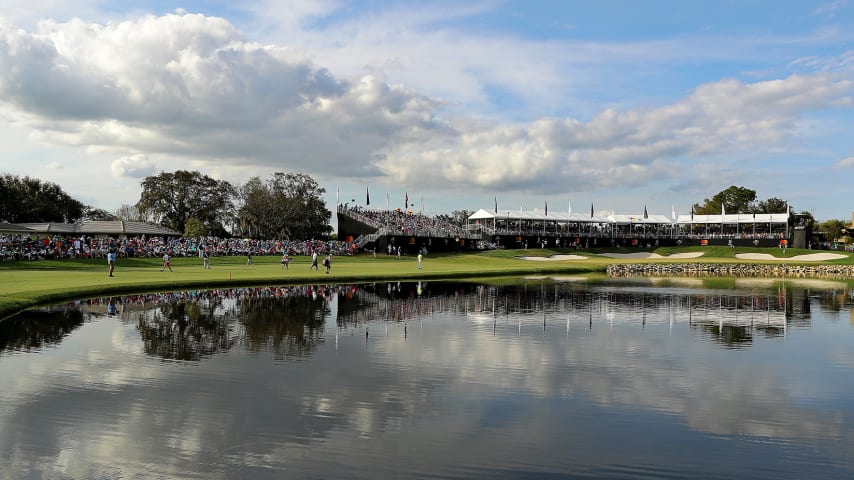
(538, 379)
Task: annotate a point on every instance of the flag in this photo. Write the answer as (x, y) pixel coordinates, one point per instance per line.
(591, 209)
(692, 213)
(367, 196)
(496, 204)
(547, 208)
(520, 207)
(387, 204)
(723, 210)
(645, 215)
(406, 201)
(673, 213)
(569, 207)
(337, 194)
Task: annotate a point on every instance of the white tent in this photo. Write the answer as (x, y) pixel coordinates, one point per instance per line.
(735, 218)
(481, 215)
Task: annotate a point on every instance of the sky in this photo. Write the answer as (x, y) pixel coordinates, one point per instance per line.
(455, 105)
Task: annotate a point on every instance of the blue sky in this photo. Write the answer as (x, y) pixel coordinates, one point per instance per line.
(621, 103)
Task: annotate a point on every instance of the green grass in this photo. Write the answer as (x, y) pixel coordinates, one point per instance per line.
(27, 284)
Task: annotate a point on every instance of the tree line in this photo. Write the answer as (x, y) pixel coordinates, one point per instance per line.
(286, 206)
(739, 200)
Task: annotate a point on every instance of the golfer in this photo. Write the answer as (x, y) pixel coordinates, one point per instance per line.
(166, 263)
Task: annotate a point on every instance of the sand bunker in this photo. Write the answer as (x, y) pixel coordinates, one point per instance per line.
(554, 258)
(812, 257)
(652, 255)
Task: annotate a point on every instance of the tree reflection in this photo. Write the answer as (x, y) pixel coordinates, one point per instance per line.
(729, 335)
(186, 330)
(38, 328)
(289, 327)
(289, 320)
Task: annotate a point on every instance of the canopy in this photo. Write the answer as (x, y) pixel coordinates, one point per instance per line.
(515, 215)
(116, 227)
(735, 218)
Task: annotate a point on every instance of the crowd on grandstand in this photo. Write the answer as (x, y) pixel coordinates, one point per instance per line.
(24, 247)
(398, 222)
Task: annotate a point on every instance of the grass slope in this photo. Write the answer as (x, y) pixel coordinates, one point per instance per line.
(27, 284)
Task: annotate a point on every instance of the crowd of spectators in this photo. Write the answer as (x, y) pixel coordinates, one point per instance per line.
(25, 247)
(399, 222)
(325, 292)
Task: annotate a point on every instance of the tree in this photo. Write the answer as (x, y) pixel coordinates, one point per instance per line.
(131, 213)
(194, 228)
(96, 214)
(457, 217)
(833, 229)
(31, 200)
(772, 205)
(174, 198)
(287, 205)
(733, 199)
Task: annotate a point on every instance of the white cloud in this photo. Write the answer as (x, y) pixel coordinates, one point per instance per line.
(830, 9)
(53, 166)
(622, 148)
(192, 89)
(134, 166)
(192, 86)
(846, 163)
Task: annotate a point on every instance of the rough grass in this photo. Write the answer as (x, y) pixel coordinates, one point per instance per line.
(27, 284)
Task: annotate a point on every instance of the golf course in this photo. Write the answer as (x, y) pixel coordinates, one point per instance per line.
(33, 283)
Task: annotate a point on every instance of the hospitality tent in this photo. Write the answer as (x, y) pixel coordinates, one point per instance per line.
(116, 227)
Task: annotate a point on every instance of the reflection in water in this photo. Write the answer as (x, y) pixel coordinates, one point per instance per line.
(619, 379)
(185, 330)
(39, 328)
(191, 325)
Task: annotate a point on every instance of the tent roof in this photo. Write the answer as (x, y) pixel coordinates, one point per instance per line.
(96, 227)
(627, 219)
(537, 215)
(481, 215)
(740, 218)
(623, 219)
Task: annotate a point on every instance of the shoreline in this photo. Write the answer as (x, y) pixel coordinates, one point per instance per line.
(737, 270)
(26, 286)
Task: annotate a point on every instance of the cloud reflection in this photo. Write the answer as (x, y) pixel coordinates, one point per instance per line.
(461, 376)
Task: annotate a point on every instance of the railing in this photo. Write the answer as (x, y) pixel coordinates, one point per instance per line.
(363, 240)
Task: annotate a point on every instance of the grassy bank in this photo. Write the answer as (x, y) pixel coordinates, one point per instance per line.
(27, 284)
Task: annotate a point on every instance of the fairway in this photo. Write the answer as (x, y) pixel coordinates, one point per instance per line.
(27, 284)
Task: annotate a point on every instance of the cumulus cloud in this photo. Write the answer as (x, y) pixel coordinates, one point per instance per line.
(191, 85)
(846, 163)
(192, 88)
(134, 166)
(623, 148)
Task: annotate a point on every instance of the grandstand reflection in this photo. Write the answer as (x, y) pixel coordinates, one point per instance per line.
(727, 316)
(291, 322)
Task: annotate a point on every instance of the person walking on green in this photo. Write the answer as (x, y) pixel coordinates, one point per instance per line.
(111, 261)
(327, 262)
(419, 260)
(166, 263)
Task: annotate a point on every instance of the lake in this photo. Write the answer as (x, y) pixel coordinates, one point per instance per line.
(525, 378)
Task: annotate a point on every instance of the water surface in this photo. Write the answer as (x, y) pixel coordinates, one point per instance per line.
(534, 379)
